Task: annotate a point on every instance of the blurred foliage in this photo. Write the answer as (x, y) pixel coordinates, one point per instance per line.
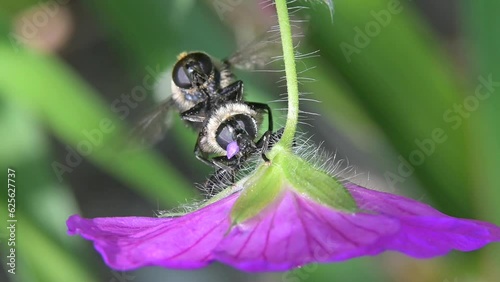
(382, 78)
(76, 116)
(481, 25)
(388, 79)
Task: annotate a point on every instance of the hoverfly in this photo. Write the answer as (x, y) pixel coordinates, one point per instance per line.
(210, 100)
(200, 84)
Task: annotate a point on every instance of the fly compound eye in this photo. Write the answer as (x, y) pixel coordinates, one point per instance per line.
(179, 75)
(203, 62)
(224, 135)
(194, 68)
(236, 126)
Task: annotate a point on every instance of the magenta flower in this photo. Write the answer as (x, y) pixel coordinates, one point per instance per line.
(284, 215)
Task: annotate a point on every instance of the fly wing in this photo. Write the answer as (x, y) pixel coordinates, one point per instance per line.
(258, 53)
(265, 49)
(152, 127)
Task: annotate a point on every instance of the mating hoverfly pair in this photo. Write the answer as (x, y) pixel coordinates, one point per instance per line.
(210, 100)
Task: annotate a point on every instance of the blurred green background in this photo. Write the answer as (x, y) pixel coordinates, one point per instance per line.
(407, 91)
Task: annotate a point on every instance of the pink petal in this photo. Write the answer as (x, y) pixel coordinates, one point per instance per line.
(181, 242)
(290, 232)
(425, 232)
(299, 231)
(296, 231)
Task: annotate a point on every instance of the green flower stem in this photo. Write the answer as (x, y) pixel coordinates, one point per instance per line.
(290, 73)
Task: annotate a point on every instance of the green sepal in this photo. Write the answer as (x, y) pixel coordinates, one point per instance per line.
(313, 183)
(261, 189)
(288, 171)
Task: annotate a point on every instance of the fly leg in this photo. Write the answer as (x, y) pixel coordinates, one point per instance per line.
(233, 92)
(263, 145)
(263, 107)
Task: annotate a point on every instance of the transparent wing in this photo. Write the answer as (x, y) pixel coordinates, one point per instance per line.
(258, 53)
(152, 127)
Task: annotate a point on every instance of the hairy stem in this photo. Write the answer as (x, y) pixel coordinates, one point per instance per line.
(290, 73)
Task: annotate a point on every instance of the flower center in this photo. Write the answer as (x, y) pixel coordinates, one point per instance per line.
(288, 171)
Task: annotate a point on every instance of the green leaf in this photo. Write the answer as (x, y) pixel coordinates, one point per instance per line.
(10, 8)
(406, 85)
(42, 206)
(481, 26)
(359, 269)
(63, 266)
(79, 118)
(339, 105)
(159, 31)
(481, 23)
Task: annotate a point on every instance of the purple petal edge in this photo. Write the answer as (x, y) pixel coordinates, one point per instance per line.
(185, 242)
(292, 232)
(425, 232)
(300, 231)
